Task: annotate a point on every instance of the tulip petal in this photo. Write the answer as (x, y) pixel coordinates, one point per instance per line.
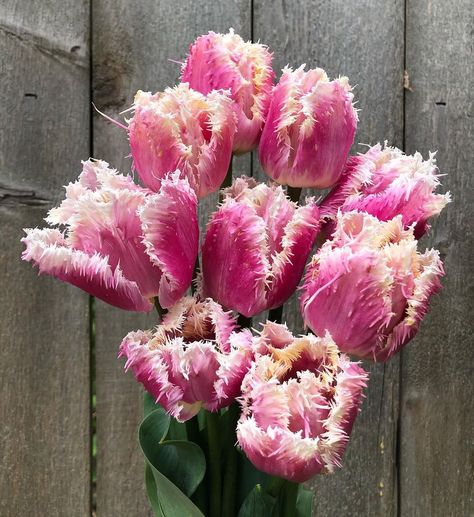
(171, 233)
(92, 273)
(234, 258)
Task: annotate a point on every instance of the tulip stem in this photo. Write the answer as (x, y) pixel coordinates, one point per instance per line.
(244, 322)
(230, 475)
(228, 177)
(159, 309)
(212, 424)
(276, 314)
(289, 496)
(294, 193)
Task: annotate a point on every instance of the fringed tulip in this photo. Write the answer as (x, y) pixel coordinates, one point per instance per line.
(299, 399)
(385, 182)
(227, 62)
(309, 129)
(185, 130)
(122, 243)
(194, 359)
(369, 286)
(256, 246)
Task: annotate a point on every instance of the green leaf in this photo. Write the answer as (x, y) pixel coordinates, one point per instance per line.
(257, 503)
(183, 462)
(171, 501)
(249, 476)
(304, 502)
(149, 404)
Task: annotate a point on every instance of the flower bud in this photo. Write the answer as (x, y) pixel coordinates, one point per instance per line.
(227, 62)
(256, 246)
(369, 286)
(299, 402)
(385, 182)
(309, 129)
(123, 244)
(194, 359)
(182, 129)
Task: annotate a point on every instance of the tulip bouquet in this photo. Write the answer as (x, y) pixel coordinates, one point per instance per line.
(237, 418)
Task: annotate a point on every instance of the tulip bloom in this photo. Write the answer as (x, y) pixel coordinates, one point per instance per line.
(227, 62)
(309, 129)
(122, 244)
(369, 286)
(194, 359)
(185, 130)
(385, 182)
(299, 402)
(256, 246)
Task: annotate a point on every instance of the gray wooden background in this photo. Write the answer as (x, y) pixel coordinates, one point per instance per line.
(412, 448)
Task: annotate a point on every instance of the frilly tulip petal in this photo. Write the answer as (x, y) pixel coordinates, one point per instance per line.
(105, 250)
(48, 249)
(182, 129)
(256, 246)
(369, 287)
(309, 129)
(195, 359)
(171, 234)
(385, 182)
(227, 62)
(299, 402)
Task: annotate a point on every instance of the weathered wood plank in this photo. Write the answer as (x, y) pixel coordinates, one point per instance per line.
(131, 47)
(338, 37)
(437, 422)
(44, 325)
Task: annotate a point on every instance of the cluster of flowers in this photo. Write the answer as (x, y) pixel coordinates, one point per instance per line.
(364, 292)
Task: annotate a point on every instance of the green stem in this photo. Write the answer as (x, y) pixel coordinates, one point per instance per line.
(230, 475)
(276, 314)
(244, 322)
(194, 435)
(294, 193)
(289, 496)
(212, 425)
(159, 309)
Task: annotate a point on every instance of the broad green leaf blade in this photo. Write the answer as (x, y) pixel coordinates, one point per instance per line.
(149, 404)
(151, 490)
(154, 428)
(183, 463)
(172, 502)
(258, 503)
(304, 502)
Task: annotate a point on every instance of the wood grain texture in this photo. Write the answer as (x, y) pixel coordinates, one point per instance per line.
(44, 325)
(437, 422)
(338, 37)
(132, 43)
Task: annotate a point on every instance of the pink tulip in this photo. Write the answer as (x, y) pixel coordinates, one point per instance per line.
(182, 129)
(369, 286)
(227, 62)
(386, 182)
(256, 247)
(299, 399)
(194, 359)
(122, 244)
(309, 129)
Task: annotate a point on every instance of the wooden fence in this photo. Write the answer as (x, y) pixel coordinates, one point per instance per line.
(411, 452)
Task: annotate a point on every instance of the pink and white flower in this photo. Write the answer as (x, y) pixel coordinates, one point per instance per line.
(385, 182)
(195, 359)
(309, 129)
(369, 286)
(121, 243)
(299, 402)
(227, 62)
(256, 246)
(182, 129)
